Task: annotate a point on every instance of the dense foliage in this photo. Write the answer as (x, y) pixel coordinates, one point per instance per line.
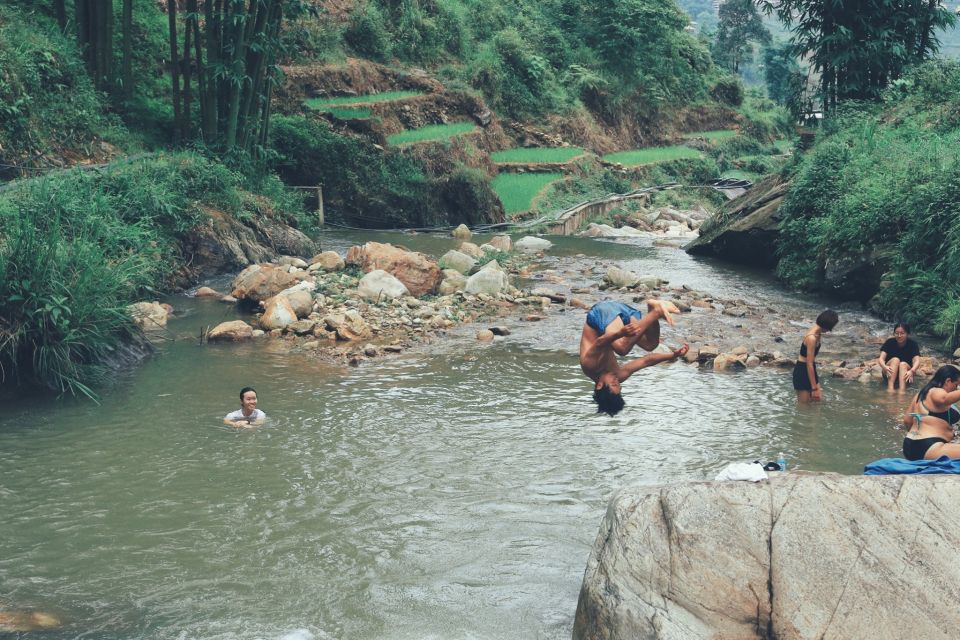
(859, 50)
(79, 246)
(889, 180)
(739, 26)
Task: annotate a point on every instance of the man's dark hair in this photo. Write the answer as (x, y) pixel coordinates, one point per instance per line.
(607, 401)
(244, 390)
(828, 319)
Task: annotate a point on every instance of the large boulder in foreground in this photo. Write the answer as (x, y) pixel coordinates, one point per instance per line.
(416, 271)
(800, 556)
(745, 230)
(233, 331)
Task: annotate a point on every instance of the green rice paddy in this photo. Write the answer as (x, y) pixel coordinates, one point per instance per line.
(432, 132)
(651, 155)
(517, 191)
(349, 113)
(718, 134)
(537, 154)
(387, 96)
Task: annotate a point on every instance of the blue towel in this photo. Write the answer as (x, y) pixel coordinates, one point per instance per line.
(943, 464)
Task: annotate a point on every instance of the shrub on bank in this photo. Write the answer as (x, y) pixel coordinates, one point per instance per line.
(875, 181)
(79, 246)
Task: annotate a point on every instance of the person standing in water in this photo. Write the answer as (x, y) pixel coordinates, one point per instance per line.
(615, 328)
(899, 357)
(806, 382)
(248, 415)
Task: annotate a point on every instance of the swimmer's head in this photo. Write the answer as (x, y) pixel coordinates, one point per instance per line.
(828, 320)
(248, 398)
(608, 401)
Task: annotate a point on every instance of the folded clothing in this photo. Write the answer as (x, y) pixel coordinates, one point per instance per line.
(887, 466)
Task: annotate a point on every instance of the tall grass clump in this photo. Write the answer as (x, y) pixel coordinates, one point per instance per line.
(884, 191)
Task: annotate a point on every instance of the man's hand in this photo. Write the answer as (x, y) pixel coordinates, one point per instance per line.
(682, 351)
(816, 394)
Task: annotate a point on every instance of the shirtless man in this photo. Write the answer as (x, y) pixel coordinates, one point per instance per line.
(614, 328)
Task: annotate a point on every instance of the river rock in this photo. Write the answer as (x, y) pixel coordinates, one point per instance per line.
(277, 314)
(531, 244)
(692, 355)
(300, 298)
(707, 352)
(488, 280)
(501, 243)
(728, 361)
(471, 250)
(207, 292)
(149, 315)
(462, 232)
(302, 327)
(379, 285)
(746, 229)
(578, 303)
(233, 331)
(292, 261)
(416, 271)
(452, 282)
(259, 282)
(22, 621)
(740, 351)
(458, 261)
(348, 326)
(484, 335)
(617, 277)
(767, 560)
(595, 230)
(327, 261)
(753, 361)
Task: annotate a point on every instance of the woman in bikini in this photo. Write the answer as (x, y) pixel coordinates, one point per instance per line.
(932, 416)
(805, 379)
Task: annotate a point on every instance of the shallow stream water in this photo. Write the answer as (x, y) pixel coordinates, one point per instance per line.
(452, 491)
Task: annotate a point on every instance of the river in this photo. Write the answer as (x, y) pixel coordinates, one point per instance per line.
(452, 491)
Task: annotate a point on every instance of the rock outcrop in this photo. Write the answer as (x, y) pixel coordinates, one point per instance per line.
(260, 282)
(800, 556)
(745, 230)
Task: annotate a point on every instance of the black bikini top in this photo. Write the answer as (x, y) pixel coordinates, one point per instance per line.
(803, 350)
(951, 416)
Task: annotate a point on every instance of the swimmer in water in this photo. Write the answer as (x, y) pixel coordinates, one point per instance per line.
(614, 328)
(248, 415)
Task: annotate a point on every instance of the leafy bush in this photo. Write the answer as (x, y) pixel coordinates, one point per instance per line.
(367, 34)
(467, 197)
(728, 90)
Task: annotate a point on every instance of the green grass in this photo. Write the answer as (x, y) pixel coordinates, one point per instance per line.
(431, 132)
(719, 134)
(517, 191)
(652, 154)
(349, 113)
(739, 174)
(537, 154)
(387, 96)
(784, 146)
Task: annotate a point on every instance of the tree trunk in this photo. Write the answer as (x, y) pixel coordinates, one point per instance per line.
(60, 9)
(238, 76)
(174, 71)
(126, 73)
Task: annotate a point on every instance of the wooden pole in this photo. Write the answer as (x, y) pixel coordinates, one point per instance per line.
(320, 204)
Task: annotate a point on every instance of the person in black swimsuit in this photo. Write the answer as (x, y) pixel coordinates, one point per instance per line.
(932, 416)
(899, 357)
(805, 380)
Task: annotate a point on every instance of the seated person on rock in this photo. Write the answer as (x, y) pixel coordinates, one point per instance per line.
(932, 418)
(614, 328)
(248, 415)
(899, 357)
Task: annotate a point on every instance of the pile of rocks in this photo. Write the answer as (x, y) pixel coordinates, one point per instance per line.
(665, 221)
(380, 297)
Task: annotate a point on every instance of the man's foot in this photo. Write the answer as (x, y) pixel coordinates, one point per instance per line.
(682, 351)
(663, 308)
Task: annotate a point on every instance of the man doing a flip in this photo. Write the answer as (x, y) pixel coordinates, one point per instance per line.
(614, 328)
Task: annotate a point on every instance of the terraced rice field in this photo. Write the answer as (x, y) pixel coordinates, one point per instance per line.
(718, 134)
(518, 191)
(651, 155)
(537, 154)
(349, 113)
(322, 104)
(432, 132)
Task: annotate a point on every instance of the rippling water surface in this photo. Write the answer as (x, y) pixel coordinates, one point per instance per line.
(449, 493)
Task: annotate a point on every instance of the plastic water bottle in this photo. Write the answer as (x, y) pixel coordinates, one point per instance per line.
(782, 462)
